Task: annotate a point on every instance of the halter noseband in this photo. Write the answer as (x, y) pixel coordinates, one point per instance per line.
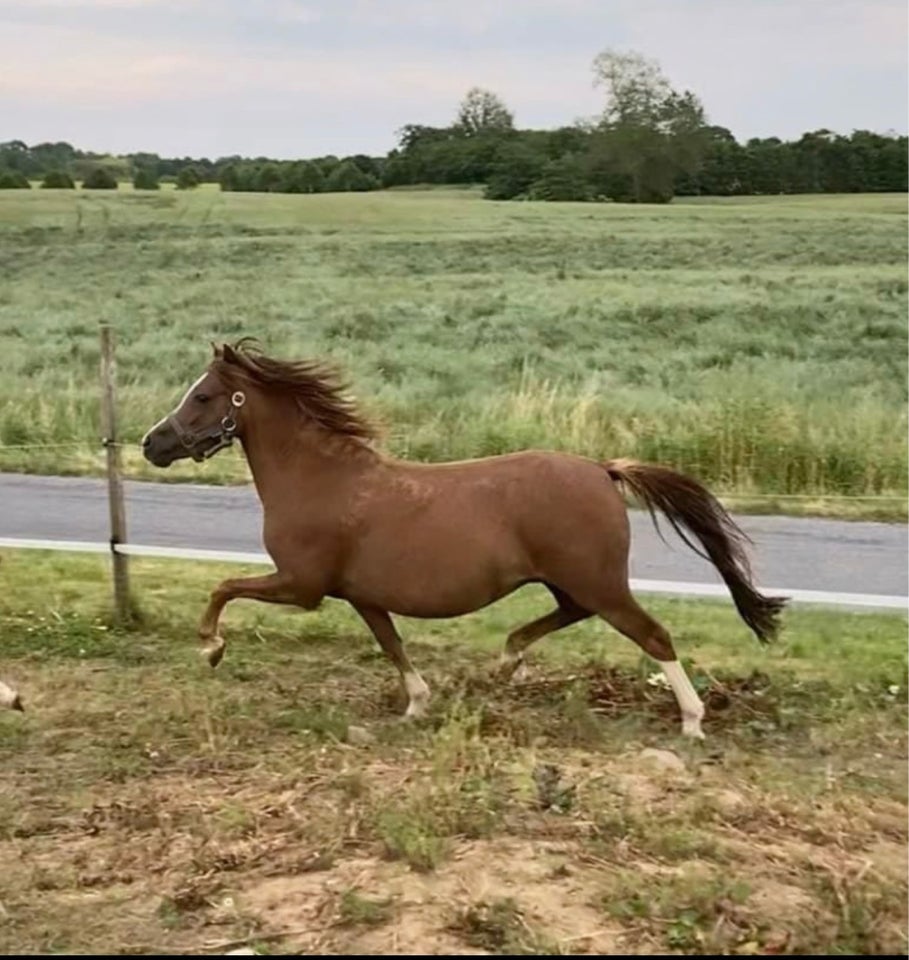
(220, 434)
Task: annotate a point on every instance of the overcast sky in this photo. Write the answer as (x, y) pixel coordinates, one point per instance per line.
(291, 78)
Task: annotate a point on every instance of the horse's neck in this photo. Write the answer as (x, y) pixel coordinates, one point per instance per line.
(305, 464)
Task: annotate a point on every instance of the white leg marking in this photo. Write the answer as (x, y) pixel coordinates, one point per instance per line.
(688, 699)
(417, 694)
(9, 698)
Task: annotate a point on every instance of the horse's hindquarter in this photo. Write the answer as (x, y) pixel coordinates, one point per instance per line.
(445, 539)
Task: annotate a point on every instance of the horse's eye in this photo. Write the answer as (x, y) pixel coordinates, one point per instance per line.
(202, 397)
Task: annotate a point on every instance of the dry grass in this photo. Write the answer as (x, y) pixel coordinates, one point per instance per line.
(150, 805)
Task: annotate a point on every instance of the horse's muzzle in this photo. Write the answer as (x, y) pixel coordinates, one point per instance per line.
(161, 446)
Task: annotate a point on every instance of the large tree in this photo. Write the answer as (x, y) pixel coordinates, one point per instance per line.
(58, 180)
(303, 177)
(188, 178)
(516, 167)
(146, 179)
(100, 178)
(649, 132)
(482, 112)
(347, 176)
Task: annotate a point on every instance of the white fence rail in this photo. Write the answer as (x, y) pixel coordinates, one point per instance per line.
(679, 588)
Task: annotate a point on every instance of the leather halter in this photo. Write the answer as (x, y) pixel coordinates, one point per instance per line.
(218, 436)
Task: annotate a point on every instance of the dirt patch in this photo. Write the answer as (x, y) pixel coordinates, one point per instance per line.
(562, 814)
(550, 891)
(192, 864)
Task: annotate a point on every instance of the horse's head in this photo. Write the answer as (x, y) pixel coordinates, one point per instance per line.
(205, 421)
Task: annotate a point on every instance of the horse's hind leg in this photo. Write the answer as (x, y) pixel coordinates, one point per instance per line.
(628, 618)
(567, 613)
(384, 631)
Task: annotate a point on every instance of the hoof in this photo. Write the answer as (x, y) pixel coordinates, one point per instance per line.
(17, 704)
(215, 652)
(693, 733)
(415, 711)
(508, 669)
(417, 693)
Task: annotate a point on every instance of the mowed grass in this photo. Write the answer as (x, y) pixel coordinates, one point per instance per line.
(149, 804)
(759, 344)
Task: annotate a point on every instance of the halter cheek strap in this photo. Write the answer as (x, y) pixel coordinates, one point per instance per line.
(217, 437)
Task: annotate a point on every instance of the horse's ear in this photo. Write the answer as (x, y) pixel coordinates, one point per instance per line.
(215, 350)
(228, 353)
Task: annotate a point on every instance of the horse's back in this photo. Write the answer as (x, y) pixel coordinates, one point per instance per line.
(441, 539)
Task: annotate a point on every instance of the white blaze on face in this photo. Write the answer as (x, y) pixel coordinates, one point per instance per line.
(185, 397)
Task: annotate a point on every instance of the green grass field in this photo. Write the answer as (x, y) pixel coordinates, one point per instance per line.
(149, 804)
(757, 343)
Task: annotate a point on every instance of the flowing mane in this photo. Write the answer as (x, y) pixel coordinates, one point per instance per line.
(318, 389)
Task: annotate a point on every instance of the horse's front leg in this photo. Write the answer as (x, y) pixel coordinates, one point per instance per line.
(384, 631)
(275, 588)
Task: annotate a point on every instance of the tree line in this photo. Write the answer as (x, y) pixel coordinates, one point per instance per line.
(651, 142)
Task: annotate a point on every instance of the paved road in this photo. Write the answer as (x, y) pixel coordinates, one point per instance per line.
(795, 553)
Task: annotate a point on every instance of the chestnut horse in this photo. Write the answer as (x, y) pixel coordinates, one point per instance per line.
(389, 536)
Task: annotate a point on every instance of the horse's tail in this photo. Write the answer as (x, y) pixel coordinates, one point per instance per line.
(688, 504)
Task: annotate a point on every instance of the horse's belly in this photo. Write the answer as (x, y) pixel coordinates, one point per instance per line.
(433, 583)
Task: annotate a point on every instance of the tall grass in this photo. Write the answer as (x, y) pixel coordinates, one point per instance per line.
(760, 345)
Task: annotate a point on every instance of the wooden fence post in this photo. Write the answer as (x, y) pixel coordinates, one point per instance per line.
(122, 605)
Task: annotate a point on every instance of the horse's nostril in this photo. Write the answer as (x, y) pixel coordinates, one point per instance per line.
(146, 442)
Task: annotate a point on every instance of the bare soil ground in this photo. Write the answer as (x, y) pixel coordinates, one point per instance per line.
(278, 804)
